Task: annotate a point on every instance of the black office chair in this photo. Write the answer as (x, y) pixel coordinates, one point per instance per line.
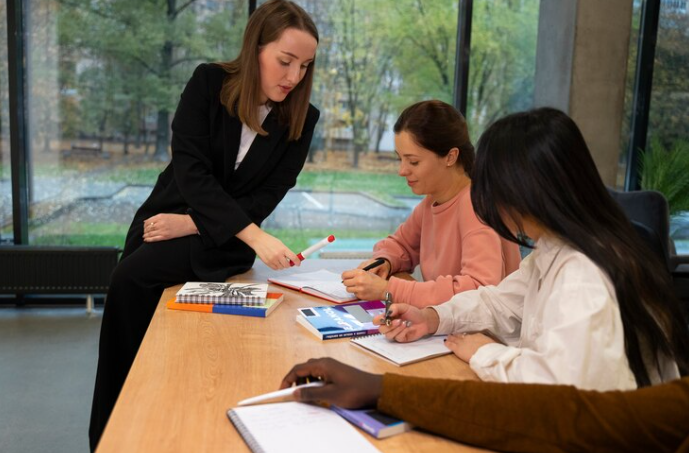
(650, 215)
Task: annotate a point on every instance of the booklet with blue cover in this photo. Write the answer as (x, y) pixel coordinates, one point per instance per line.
(339, 321)
(375, 423)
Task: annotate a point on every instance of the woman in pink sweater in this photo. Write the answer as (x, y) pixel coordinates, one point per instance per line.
(455, 250)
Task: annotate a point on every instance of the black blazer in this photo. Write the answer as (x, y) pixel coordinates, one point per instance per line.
(201, 179)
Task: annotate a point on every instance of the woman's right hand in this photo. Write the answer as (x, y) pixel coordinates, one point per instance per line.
(269, 249)
(344, 385)
(408, 323)
(382, 271)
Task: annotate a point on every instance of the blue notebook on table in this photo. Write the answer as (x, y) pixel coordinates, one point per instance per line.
(339, 321)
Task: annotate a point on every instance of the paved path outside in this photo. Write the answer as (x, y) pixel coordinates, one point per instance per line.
(87, 198)
(83, 198)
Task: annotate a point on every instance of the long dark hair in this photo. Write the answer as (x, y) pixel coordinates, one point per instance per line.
(536, 164)
(438, 127)
(241, 89)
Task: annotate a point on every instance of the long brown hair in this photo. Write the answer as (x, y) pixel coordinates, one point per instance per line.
(438, 127)
(242, 87)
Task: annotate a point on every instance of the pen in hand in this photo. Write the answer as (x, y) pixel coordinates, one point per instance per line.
(388, 302)
(387, 320)
(374, 264)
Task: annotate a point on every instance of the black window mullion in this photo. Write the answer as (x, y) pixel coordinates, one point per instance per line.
(18, 117)
(643, 84)
(462, 54)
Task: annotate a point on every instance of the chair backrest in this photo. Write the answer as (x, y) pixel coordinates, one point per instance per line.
(649, 212)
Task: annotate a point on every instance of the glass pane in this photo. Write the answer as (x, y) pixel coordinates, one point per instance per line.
(667, 164)
(629, 94)
(503, 60)
(374, 59)
(6, 232)
(104, 78)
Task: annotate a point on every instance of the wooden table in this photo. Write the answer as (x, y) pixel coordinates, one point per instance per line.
(192, 367)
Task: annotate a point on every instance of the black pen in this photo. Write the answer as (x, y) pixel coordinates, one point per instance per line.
(374, 264)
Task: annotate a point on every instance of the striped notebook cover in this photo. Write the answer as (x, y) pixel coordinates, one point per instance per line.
(233, 293)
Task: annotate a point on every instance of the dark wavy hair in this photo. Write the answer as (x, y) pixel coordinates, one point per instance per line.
(438, 127)
(536, 164)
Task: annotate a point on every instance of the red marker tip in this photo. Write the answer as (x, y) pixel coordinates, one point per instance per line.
(331, 238)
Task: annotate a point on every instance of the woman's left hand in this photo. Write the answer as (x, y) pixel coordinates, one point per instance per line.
(364, 285)
(163, 227)
(465, 345)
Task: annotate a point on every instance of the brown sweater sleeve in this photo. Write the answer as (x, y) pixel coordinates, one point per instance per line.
(543, 418)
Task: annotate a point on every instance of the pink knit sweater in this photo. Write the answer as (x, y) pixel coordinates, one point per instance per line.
(455, 250)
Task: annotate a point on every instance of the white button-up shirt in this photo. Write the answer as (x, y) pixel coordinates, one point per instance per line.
(559, 319)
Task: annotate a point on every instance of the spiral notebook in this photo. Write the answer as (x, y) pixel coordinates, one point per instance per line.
(269, 428)
(323, 283)
(403, 353)
(232, 293)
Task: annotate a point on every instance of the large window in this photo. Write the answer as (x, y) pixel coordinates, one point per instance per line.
(5, 168)
(104, 77)
(503, 60)
(665, 160)
(374, 59)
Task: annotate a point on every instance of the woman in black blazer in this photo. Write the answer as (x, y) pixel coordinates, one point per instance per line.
(202, 219)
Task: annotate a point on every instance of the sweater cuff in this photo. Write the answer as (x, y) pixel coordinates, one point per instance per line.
(397, 287)
(490, 355)
(446, 325)
(386, 257)
(392, 398)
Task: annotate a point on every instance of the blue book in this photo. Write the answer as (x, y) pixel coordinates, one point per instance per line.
(375, 423)
(348, 320)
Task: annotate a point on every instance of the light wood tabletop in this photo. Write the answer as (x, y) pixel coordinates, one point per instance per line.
(192, 367)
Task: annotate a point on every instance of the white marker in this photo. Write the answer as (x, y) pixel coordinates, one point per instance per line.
(314, 248)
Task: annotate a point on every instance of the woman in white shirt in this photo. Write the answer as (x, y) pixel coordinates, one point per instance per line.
(591, 306)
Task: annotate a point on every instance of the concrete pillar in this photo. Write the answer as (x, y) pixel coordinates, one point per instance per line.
(581, 65)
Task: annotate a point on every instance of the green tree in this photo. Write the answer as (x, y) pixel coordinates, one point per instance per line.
(150, 48)
(669, 115)
(503, 60)
(424, 33)
(362, 55)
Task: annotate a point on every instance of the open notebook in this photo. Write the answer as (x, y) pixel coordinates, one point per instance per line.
(323, 283)
(403, 353)
(293, 426)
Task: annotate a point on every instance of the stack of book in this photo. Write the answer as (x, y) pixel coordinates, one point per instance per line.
(234, 298)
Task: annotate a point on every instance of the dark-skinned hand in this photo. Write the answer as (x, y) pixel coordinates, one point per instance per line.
(345, 386)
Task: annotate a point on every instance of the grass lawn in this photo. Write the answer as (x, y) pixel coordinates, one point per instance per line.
(81, 234)
(111, 234)
(297, 240)
(135, 176)
(381, 186)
